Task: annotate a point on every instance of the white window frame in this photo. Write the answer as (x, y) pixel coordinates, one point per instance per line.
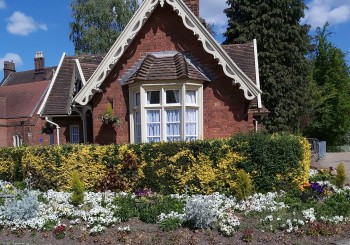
(71, 134)
(182, 86)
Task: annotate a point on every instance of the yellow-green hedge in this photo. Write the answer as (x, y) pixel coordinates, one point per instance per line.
(272, 161)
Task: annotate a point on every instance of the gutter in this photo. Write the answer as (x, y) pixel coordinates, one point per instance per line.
(57, 127)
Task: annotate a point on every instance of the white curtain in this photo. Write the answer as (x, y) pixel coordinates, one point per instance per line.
(173, 125)
(191, 124)
(153, 125)
(191, 97)
(172, 96)
(177, 96)
(149, 97)
(17, 140)
(153, 97)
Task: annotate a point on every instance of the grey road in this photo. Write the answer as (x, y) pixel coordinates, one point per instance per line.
(333, 159)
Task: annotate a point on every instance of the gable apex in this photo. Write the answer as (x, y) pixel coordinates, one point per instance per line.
(191, 22)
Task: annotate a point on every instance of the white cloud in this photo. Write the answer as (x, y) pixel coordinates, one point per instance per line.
(213, 11)
(20, 24)
(11, 57)
(321, 11)
(2, 4)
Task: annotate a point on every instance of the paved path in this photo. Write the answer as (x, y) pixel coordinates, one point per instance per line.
(333, 159)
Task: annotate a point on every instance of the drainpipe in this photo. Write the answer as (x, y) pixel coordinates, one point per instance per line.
(57, 127)
(257, 75)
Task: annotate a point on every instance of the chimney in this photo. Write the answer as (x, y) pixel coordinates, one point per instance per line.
(39, 62)
(193, 5)
(9, 67)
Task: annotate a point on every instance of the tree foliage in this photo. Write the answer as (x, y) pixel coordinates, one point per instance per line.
(282, 45)
(97, 24)
(330, 119)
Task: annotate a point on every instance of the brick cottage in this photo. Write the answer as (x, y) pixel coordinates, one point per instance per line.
(164, 79)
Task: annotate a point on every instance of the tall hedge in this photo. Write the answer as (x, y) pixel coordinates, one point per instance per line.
(273, 161)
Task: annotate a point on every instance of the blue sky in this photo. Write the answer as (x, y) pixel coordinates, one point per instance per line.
(28, 26)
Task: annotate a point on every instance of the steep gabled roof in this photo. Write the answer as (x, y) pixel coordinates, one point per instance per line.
(21, 100)
(58, 99)
(192, 23)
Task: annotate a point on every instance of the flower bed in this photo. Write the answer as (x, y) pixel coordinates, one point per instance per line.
(315, 209)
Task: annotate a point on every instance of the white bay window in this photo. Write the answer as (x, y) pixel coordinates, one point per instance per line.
(166, 112)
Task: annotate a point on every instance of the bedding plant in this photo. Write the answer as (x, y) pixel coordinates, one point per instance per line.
(316, 209)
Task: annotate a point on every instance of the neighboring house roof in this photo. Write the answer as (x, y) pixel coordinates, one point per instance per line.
(192, 23)
(21, 100)
(58, 99)
(163, 66)
(89, 63)
(24, 77)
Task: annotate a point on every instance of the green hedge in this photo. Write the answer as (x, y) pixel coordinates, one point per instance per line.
(273, 162)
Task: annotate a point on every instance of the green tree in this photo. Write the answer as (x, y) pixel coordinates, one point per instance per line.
(331, 113)
(97, 24)
(283, 44)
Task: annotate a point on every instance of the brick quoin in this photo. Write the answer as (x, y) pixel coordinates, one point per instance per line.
(225, 108)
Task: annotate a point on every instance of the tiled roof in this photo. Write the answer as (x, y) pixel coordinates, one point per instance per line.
(164, 66)
(21, 100)
(89, 63)
(16, 78)
(243, 56)
(58, 101)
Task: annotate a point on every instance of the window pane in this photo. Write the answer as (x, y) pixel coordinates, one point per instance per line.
(137, 99)
(137, 132)
(191, 124)
(153, 125)
(191, 97)
(172, 96)
(74, 134)
(153, 97)
(173, 125)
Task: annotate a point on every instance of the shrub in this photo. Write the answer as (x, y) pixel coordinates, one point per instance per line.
(340, 176)
(244, 186)
(337, 204)
(11, 163)
(149, 210)
(170, 221)
(278, 161)
(112, 181)
(274, 162)
(202, 211)
(126, 208)
(77, 197)
(24, 208)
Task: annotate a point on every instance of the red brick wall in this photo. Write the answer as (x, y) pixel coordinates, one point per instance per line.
(224, 105)
(65, 123)
(28, 128)
(193, 5)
